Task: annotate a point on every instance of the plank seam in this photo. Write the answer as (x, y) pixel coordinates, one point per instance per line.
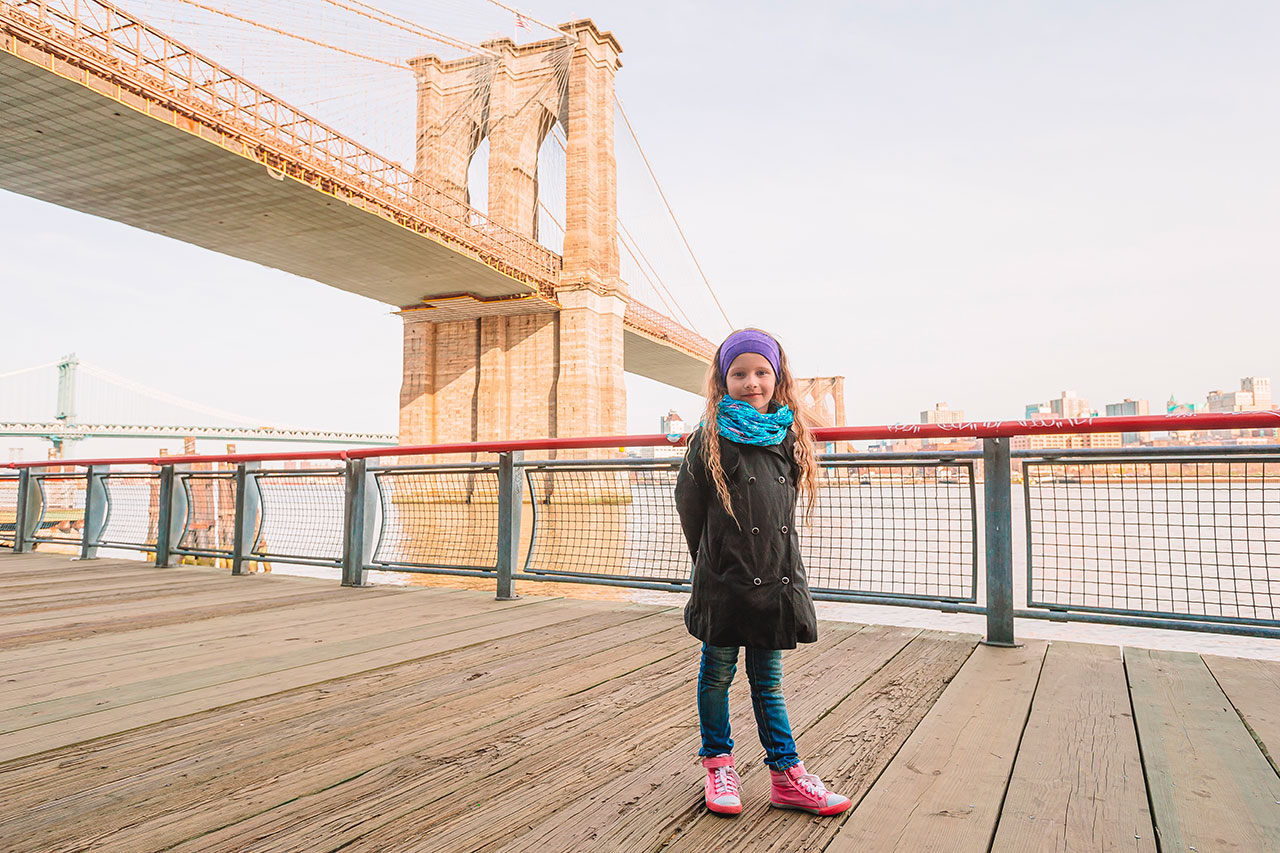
(1031, 701)
(1262, 747)
(853, 808)
(1142, 757)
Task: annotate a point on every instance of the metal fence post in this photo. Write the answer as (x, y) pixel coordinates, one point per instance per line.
(28, 513)
(171, 518)
(96, 510)
(360, 517)
(510, 499)
(247, 510)
(998, 514)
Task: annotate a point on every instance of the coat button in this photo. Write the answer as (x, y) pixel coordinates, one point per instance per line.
(782, 479)
(751, 480)
(784, 528)
(755, 531)
(757, 581)
(786, 579)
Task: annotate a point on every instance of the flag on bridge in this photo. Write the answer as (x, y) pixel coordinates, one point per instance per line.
(522, 23)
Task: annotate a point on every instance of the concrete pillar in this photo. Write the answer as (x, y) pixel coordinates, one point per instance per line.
(489, 378)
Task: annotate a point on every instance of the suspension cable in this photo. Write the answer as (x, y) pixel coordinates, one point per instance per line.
(383, 17)
(649, 166)
(398, 66)
(29, 369)
(573, 39)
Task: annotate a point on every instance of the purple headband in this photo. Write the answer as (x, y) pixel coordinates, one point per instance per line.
(749, 340)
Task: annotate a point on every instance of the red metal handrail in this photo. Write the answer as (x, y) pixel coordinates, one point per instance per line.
(971, 429)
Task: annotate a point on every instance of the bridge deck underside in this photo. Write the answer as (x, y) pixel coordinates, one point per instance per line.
(64, 143)
(185, 709)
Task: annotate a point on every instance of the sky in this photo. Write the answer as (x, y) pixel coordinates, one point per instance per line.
(982, 204)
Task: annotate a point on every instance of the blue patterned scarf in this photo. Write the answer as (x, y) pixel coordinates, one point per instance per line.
(739, 421)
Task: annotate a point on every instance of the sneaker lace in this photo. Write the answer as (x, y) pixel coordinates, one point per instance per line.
(812, 785)
(725, 781)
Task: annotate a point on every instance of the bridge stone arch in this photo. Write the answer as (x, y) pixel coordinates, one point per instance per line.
(528, 368)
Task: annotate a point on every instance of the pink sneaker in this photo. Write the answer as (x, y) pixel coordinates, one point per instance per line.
(793, 788)
(722, 785)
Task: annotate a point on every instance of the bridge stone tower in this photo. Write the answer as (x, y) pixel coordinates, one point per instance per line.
(520, 372)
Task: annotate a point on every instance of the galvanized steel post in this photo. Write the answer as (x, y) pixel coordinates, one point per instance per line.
(171, 519)
(510, 499)
(96, 510)
(998, 514)
(28, 513)
(247, 506)
(360, 512)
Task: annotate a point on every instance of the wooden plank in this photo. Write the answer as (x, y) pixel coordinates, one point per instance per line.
(194, 612)
(1253, 686)
(1078, 781)
(545, 782)
(263, 637)
(90, 590)
(150, 788)
(394, 629)
(848, 745)
(430, 795)
(177, 627)
(943, 790)
(379, 654)
(1211, 787)
(72, 612)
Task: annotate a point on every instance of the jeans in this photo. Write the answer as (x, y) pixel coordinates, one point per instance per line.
(764, 672)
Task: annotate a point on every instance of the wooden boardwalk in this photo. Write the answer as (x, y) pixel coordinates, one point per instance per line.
(184, 709)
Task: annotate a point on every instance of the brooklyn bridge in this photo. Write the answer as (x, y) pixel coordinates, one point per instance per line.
(504, 336)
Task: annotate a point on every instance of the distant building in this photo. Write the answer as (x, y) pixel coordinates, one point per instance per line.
(1229, 401)
(1064, 441)
(1260, 387)
(671, 422)
(1173, 407)
(1070, 406)
(942, 414)
(1129, 409)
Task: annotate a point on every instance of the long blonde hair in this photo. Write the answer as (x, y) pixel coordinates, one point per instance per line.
(784, 393)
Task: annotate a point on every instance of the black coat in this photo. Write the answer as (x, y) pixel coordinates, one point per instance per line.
(749, 584)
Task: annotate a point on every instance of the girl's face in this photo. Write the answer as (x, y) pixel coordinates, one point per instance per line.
(751, 380)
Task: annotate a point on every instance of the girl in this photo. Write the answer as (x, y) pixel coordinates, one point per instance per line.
(736, 495)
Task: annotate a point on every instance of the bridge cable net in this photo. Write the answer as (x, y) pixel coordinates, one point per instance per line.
(345, 62)
(348, 63)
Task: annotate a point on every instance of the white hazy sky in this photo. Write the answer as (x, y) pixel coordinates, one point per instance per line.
(978, 203)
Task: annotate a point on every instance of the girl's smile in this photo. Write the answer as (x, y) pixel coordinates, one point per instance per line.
(751, 380)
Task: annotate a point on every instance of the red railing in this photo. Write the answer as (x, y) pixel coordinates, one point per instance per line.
(971, 429)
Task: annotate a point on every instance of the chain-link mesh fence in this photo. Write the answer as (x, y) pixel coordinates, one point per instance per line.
(438, 518)
(1198, 538)
(905, 529)
(210, 528)
(133, 511)
(302, 516)
(607, 522)
(61, 508)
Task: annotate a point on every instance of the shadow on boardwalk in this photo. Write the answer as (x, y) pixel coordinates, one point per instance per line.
(184, 709)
